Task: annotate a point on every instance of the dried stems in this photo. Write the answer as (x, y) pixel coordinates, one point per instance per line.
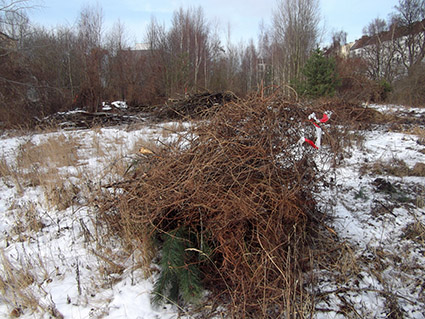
(243, 185)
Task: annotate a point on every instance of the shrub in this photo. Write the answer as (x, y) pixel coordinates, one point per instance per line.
(410, 90)
(180, 275)
(321, 79)
(355, 86)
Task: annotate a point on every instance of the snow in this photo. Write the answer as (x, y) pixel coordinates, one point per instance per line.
(59, 256)
(120, 104)
(116, 104)
(373, 223)
(391, 108)
(71, 274)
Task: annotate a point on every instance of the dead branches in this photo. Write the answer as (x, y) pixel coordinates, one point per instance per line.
(194, 106)
(243, 188)
(84, 119)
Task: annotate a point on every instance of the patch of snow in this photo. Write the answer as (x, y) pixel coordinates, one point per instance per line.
(120, 104)
(373, 222)
(66, 270)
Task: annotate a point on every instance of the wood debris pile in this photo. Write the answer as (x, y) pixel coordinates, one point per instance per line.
(240, 187)
(195, 106)
(84, 119)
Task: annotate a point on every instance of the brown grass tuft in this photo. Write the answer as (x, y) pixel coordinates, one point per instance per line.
(418, 170)
(15, 284)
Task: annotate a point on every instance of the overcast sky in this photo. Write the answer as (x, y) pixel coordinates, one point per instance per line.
(243, 16)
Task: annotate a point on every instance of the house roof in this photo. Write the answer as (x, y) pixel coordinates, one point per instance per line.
(4, 36)
(394, 32)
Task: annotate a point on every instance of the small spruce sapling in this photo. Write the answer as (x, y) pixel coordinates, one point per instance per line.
(320, 77)
(180, 275)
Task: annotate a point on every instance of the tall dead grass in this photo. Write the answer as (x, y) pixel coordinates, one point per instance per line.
(20, 288)
(54, 164)
(40, 164)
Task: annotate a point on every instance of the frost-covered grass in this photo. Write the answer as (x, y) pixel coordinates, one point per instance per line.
(58, 261)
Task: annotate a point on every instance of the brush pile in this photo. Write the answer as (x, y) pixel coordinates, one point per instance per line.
(237, 191)
(195, 105)
(83, 119)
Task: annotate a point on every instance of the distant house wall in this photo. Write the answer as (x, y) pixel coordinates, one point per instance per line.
(345, 49)
(7, 42)
(386, 51)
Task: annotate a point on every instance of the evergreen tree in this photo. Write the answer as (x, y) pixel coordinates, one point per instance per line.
(320, 78)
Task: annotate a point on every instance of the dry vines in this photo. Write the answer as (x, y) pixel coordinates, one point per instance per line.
(243, 187)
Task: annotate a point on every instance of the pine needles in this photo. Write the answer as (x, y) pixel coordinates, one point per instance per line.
(180, 275)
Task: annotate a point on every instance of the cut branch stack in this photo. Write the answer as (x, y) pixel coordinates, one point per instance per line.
(241, 186)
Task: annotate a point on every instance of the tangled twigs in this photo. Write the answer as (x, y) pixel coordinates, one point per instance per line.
(196, 105)
(243, 190)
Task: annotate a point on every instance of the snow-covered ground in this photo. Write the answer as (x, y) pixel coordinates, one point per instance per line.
(55, 263)
(379, 215)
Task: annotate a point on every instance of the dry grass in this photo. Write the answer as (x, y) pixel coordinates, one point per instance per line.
(419, 132)
(21, 286)
(16, 286)
(54, 164)
(172, 128)
(418, 170)
(37, 163)
(27, 220)
(416, 232)
(57, 151)
(394, 167)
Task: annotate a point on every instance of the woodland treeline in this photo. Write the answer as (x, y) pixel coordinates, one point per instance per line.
(49, 70)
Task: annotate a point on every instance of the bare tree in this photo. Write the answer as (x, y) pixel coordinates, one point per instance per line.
(339, 40)
(116, 39)
(231, 62)
(190, 46)
(379, 51)
(268, 57)
(249, 68)
(12, 13)
(376, 27)
(156, 36)
(339, 37)
(296, 30)
(159, 58)
(72, 68)
(116, 43)
(16, 82)
(409, 26)
(14, 22)
(90, 26)
(409, 22)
